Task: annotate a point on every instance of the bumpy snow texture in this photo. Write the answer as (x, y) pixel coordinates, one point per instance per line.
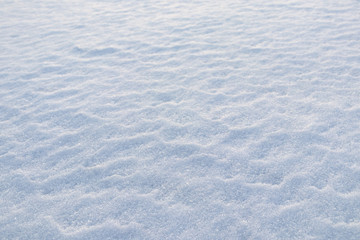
(164, 119)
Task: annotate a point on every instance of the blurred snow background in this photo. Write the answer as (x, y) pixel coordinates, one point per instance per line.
(180, 119)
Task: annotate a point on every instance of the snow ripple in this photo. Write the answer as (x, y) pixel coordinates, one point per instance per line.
(179, 120)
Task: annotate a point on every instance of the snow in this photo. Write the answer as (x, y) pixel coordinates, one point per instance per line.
(180, 119)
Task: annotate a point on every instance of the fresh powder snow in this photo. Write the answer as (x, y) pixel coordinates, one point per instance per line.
(183, 119)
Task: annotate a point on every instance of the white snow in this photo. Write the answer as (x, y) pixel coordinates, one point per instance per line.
(180, 119)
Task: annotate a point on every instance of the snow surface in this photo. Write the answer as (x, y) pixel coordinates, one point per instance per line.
(180, 119)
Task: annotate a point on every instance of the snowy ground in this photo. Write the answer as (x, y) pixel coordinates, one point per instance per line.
(180, 119)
